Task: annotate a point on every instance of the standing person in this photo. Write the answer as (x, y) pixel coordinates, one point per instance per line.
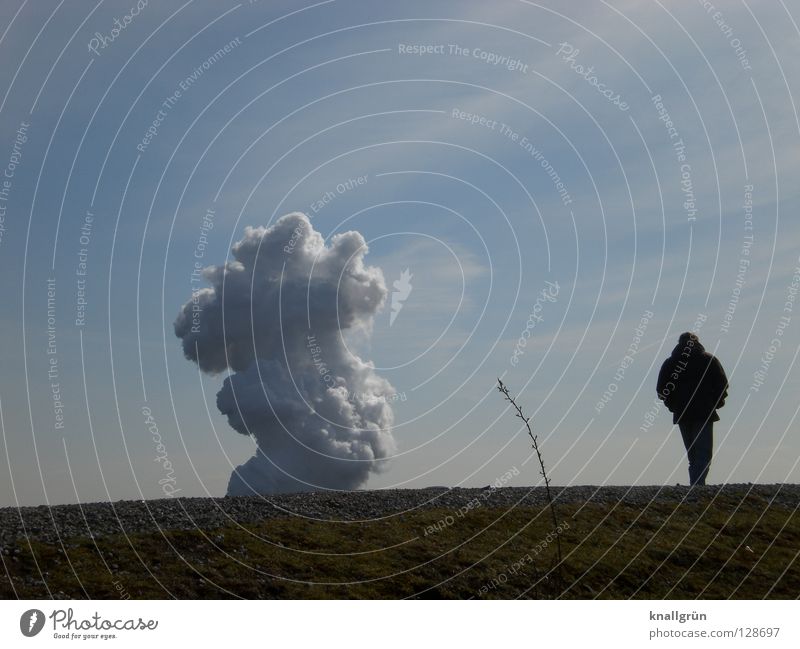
(692, 385)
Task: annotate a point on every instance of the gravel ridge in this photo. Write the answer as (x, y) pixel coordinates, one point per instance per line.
(61, 522)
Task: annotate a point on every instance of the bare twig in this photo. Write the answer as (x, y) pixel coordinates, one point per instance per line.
(535, 443)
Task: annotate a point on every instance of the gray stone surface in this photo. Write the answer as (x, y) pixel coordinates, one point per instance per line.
(49, 524)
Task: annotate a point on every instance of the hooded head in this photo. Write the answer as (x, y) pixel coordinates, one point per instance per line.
(688, 343)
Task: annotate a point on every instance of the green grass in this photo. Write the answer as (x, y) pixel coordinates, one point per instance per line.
(658, 551)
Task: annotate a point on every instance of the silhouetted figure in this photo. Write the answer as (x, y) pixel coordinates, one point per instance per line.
(692, 385)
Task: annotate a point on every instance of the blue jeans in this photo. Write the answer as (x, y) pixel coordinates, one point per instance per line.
(698, 438)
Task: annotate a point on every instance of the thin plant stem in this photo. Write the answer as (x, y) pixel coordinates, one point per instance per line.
(535, 443)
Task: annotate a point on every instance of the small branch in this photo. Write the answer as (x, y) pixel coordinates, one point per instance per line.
(535, 443)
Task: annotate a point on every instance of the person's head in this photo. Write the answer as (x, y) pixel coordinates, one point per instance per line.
(689, 342)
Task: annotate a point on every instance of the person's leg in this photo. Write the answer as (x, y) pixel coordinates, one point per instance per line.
(689, 434)
(704, 446)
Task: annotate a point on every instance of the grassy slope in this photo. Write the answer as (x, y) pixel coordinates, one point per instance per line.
(663, 550)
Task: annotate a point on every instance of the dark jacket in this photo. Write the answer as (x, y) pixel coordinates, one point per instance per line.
(692, 384)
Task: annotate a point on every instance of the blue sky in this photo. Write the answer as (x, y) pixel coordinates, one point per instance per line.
(312, 95)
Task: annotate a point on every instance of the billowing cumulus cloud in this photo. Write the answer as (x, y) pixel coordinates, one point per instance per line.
(279, 317)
